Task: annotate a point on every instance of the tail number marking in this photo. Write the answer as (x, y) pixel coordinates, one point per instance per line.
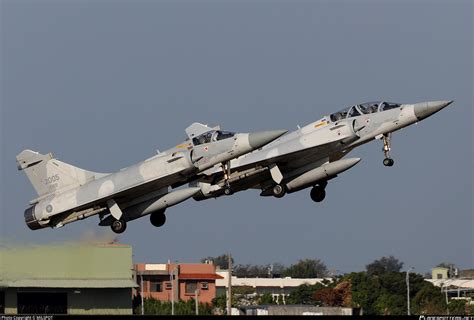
(52, 179)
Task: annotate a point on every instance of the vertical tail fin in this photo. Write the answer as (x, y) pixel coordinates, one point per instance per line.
(48, 175)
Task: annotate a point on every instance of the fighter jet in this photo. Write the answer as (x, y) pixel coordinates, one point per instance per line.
(312, 155)
(67, 193)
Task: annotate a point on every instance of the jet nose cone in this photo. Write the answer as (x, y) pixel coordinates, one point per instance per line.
(259, 139)
(426, 109)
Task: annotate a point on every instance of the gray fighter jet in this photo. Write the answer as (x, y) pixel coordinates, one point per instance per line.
(313, 155)
(67, 193)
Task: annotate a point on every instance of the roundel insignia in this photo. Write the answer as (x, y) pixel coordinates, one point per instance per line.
(206, 148)
(49, 208)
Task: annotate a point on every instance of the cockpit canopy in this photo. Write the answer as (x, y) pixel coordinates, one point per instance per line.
(212, 136)
(363, 108)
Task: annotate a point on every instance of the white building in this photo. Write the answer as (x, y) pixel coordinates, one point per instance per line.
(277, 287)
(455, 288)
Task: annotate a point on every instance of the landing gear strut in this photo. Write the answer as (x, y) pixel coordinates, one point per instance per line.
(318, 193)
(226, 171)
(388, 162)
(119, 226)
(158, 218)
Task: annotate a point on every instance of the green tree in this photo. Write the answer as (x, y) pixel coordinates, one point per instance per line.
(327, 297)
(251, 271)
(220, 302)
(390, 304)
(278, 269)
(219, 261)
(446, 265)
(429, 300)
(307, 268)
(457, 307)
(260, 271)
(386, 293)
(384, 264)
(365, 291)
(304, 293)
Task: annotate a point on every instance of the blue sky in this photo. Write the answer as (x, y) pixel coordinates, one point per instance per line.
(103, 84)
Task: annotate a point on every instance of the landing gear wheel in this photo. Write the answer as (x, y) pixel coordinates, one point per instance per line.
(278, 191)
(318, 194)
(118, 226)
(227, 191)
(388, 162)
(158, 219)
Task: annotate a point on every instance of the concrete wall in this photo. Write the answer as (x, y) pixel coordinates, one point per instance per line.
(308, 310)
(100, 301)
(82, 301)
(66, 262)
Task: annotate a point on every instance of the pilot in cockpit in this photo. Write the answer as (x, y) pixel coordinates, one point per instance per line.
(202, 139)
(214, 136)
(373, 108)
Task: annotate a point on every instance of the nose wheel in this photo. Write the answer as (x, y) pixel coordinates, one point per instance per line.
(227, 190)
(388, 162)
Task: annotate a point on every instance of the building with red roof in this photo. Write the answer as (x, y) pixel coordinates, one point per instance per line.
(184, 281)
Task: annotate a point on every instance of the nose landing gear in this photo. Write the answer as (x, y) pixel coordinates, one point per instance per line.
(226, 170)
(388, 162)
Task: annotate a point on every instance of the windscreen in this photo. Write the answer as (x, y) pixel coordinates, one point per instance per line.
(212, 136)
(389, 105)
(369, 107)
(336, 116)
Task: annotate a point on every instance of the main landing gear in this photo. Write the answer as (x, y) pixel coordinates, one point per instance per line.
(278, 191)
(388, 162)
(158, 218)
(318, 193)
(119, 226)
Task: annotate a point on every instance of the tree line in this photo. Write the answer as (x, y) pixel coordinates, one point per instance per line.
(305, 268)
(379, 290)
